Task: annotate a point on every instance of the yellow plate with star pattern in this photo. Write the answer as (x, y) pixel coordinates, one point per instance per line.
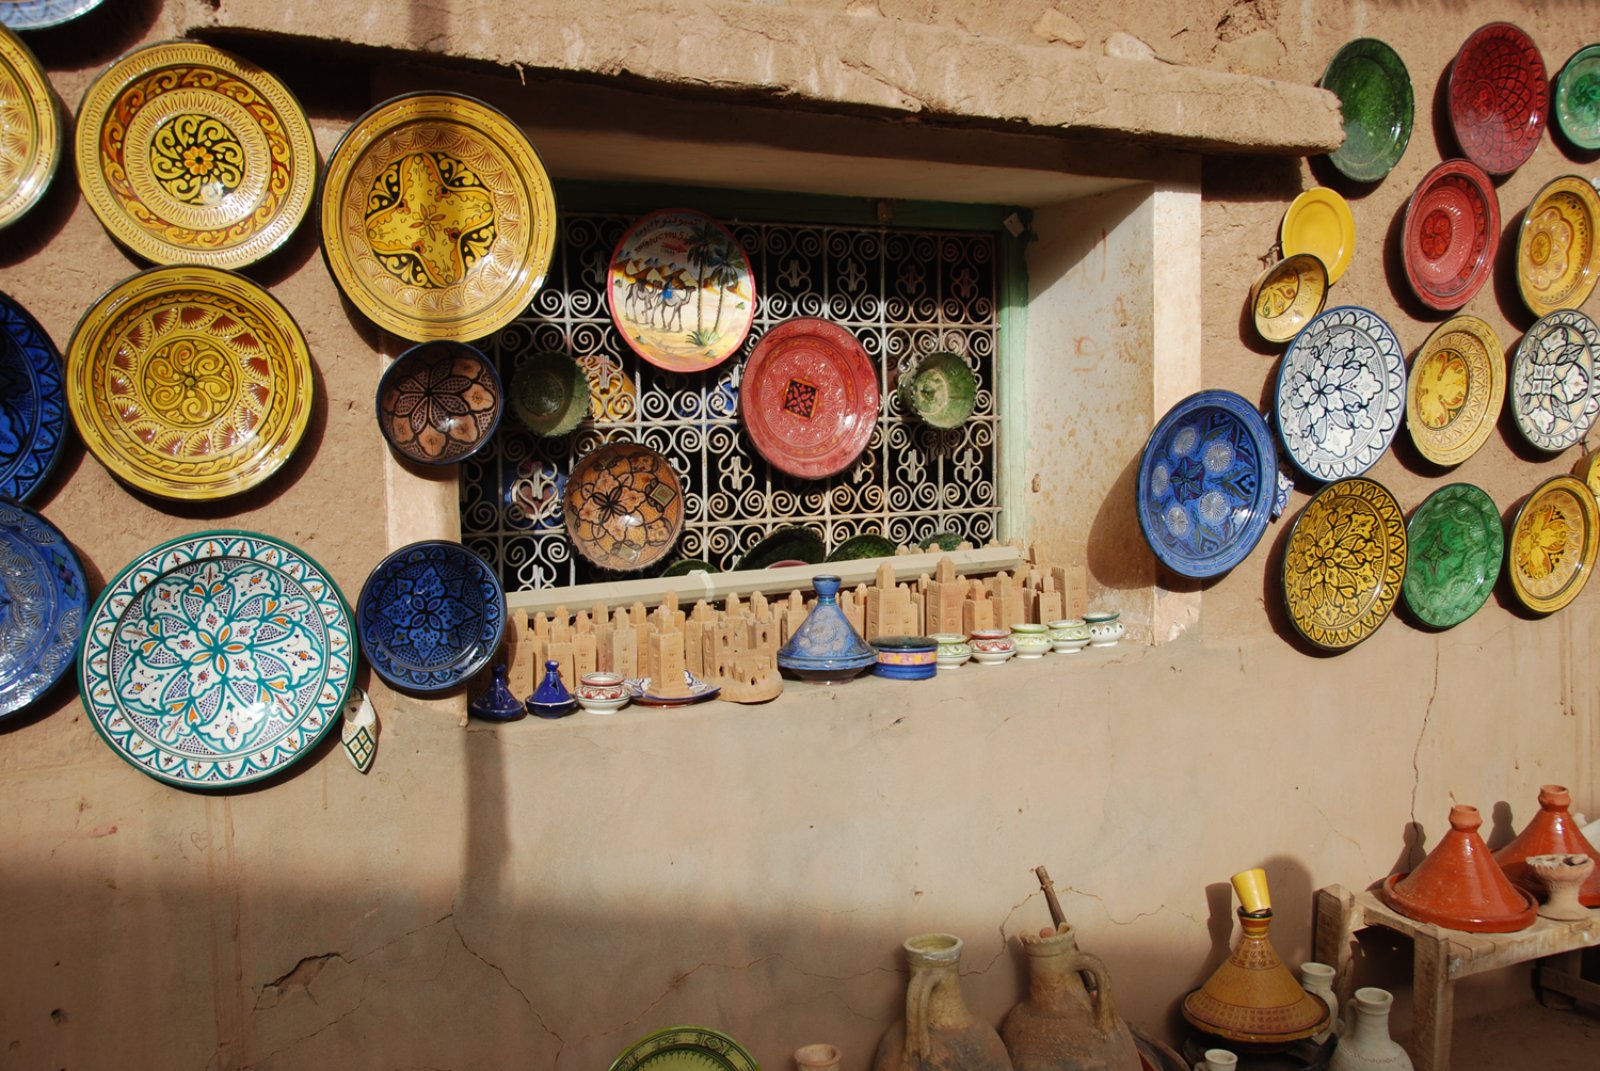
(1552, 547)
(438, 220)
(30, 129)
(191, 155)
(1456, 389)
(1345, 563)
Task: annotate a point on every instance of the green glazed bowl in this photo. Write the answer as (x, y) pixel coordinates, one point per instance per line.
(1577, 99)
(865, 545)
(685, 566)
(550, 394)
(941, 390)
(1374, 91)
(791, 544)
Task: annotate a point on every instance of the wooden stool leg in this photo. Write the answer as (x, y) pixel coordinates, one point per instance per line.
(1334, 940)
(1434, 993)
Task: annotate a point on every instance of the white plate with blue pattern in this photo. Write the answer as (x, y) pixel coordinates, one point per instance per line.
(1341, 393)
(1554, 386)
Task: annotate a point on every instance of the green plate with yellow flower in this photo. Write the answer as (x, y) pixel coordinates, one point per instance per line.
(1345, 563)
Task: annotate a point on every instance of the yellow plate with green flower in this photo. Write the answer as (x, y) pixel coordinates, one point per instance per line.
(1345, 563)
(30, 129)
(1455, 391)
(1552, 547)
(1558, 258)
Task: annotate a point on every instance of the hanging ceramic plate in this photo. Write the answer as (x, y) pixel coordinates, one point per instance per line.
(191, 155)
(430, 616)
(861, 547)
(1341, 393)
(30, 147)
(642, 691)
(190, 383)
(685, 1048)
(788, 544)
(681, 291)
(1552, 544)
(623, 507)
(1456, 544)
(1345, 563)
(217, 659)
(1206, 483)
(1456, 389)
(42, 14)
(1499, 97)
(1555, 395)
(42, 603)
(809, 398)
(1587, 469)
(1450, 234)
(439, 402)
(1374, 91)
(33, 404)
(1558, 259)
(1319, 222)
(1577, 98)
(1287, 295)
(438, 220)
(939, 389)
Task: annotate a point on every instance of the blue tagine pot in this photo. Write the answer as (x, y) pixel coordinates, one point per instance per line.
(826, 648)
(498, 703)
(551, 699)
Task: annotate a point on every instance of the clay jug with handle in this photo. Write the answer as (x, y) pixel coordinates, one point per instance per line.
(1061, 1025)
(938, 1032)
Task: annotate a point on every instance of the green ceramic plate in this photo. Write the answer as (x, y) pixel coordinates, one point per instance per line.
(1578, 98)
(1456, 546)
(550, 394)
(941, 390)
(685, 566)
(786, 544)
(1374, 91)
(866, 545)
(945, 541)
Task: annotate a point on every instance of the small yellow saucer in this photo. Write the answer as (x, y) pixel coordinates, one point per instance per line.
(1288, 295)
(1319, 222)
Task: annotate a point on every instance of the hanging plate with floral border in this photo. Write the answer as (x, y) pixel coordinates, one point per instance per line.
(1551, 550)
(1555, 385)
(42, 603)
(685, 1048)
(809, 398)
(33, 402)
(1450, 233)
(1345, 563)
(430, 616)
(1456, 545)
(1499, 97)
(42, 14)
(1341, 393)
(31, 147)
(1558, 257)
(623, 507)
(1456, 390)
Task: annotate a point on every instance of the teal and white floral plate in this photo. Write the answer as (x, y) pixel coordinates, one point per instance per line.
(217, 659)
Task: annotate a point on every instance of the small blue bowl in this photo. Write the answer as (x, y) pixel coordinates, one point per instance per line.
(906, 658)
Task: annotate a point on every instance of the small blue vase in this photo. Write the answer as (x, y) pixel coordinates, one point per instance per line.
(551, 699)
(826, 648)
(497, 704)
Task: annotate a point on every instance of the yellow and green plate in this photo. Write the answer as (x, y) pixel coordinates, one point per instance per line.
(686, 1048)
(1558, 257)
(30, 129)
(1551, 549)
(1456, 389)
(1345, 563)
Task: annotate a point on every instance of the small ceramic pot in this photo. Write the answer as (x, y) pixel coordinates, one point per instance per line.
(602, 693)
(1218, 1060)
(954, 650)
(1069, 635)
(1563, 875)
(906, 658)
(992, 646)
(1032, 640)
(817, 1058)
(1104, 627)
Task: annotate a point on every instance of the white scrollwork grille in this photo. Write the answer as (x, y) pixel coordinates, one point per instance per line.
(903, 293)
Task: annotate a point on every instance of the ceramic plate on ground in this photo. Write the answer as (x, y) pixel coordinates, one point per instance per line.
(1555, 395)
(189, 383)
(1341, 393)
(1319, 222)
(790, 544)
(430, 616)
(1550, 552)
(1287, 295)
(1374, 91)
(42, 603)
(1450, 233)
(623, 507)
(1455, 391)
(33, 403)
(31, 146)
(438, 220)
(643, 692)
(1499, 97)
(217, 659)
(439, 402)
(1206, 483)
(685, 1048)
(42, 14)
(866, 545)
(191, 155)
(1344, 563)
(809, 398)
(681, 291)
(1577, 98)
(1456, 545)
(1558, 259)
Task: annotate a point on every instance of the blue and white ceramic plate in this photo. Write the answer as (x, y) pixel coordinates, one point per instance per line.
(642, 690)
(42, 14)
(1555, 393)
(42, 600)
(1207, 483)
(217, 659)
(1341, 393)
(33, 402)
(431, 615)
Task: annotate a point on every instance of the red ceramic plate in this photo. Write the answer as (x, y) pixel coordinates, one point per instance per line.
(1452, 227)
(1499, 97)
(809, 399)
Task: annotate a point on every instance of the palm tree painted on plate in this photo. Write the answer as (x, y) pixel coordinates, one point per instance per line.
(711, 257)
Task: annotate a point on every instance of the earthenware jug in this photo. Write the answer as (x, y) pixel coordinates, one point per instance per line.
(938, 1032)
(1364, 1041)
(1060, 1026)
(1317, 979)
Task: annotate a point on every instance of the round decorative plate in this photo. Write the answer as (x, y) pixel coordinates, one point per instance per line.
(1450, 234)
(438, 220)
(191, 155)
(685, 1048)
(1587, 469)
(217, 659)
(1319, 222)
(42, 14)
(42, 603)
(551, 394)
(31, 146)
(641, 691)
(1499, 97)
(1555, 395)
(623, 507)
(809, 398)
(1457, 543)
(430, 616)
(1456, 389)
(1551, 549)
(681, 291)
(1287, 295)
(1558, 259)
(939, 389)
(1341, 393)
(33, 405)
(1345, 563)
(1577, 98)
(189, 382)
(1206, 483)
(861, 547)
(439, 402)
(1374, 91)
(788, 544)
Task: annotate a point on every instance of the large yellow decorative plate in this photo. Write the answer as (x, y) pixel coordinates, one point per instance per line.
(189, 382)
(1456, 388)
(191, 155)
(1551, 551)
(1345, 563)
(1319, 222)
(438, 219)
(1558, 258)
(30, 129)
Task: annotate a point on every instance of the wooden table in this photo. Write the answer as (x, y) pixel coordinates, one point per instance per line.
(1441, 956)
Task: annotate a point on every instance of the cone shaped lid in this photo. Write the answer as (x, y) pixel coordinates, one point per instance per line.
(1459, 885)
(1553, 831)
(826, 640)
(1252, 997)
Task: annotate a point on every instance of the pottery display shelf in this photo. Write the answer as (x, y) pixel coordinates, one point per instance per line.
(1441, 956)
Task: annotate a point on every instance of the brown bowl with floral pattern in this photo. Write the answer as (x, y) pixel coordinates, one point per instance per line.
(440, 402)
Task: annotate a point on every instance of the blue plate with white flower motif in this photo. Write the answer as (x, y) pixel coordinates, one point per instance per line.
(1341, 393)
(1207, 481)
(42, 600)
(33, 402)
(430, 616)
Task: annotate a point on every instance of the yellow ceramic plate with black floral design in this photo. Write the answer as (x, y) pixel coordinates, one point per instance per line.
(1456, 388)
(1345, 563)
(438, 220)
(1551, 551)
(189, 382)
(30, 129)
(1558, 257)
(191, 155)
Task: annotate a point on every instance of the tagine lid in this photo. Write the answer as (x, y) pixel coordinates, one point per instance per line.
(1551, 831)
(1459, 885)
